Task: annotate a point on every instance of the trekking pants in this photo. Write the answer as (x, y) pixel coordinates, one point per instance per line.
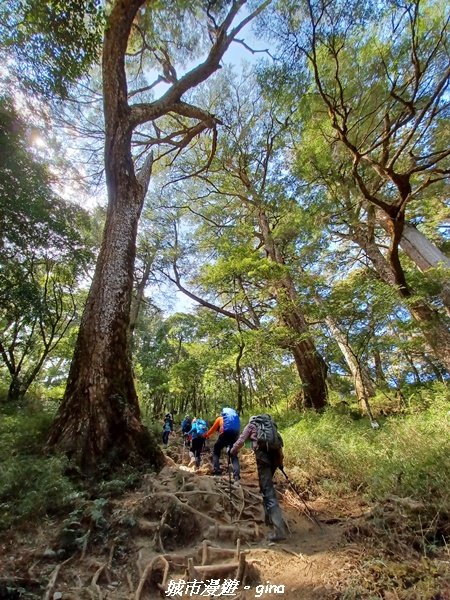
(267, 463)
(165, 437)
(227, 438)
(196, 448)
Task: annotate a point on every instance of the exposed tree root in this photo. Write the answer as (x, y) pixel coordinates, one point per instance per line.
(180, 525)
(171, 509)
(52, 582)
(148, 571)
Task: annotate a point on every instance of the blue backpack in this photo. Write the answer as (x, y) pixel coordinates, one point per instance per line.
(198, 428)
(231, 421)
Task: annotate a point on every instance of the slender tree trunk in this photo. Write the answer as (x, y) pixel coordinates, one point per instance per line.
(410, 361)
(434, 368)
(310, 365)
(379, 373)
(240, 393)
(140, 290)
(434, 330)
(193, 402)
(364, 387)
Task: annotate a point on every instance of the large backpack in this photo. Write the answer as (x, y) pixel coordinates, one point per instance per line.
(231, 421)
(186, 424)
(267, 433)
(199, 428)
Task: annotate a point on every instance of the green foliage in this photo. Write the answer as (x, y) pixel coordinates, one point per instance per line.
(407, 457)
(52, 42)
(36, 218)
(44, 252)
(31, 484)
(172, 26)
(23, 434)
(122, 482)
(97, 511)
(33, 487)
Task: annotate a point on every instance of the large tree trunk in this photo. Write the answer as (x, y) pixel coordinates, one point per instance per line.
(99, 418)
(424, 254)
(15, 389)
(433, 327)
(100, 415)
(312, 371)
(309, 363)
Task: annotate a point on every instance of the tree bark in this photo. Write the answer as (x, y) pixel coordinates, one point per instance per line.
(364, 387)
(100, 414)
(15, 391)
(379, 373)
(434, 330)
(99, 418)
(424, 254)
(138, 299)
(309, 363)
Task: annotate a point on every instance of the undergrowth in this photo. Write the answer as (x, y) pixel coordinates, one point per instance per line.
(402, 470)
(35, 484)
(407, 456)
(31, 483)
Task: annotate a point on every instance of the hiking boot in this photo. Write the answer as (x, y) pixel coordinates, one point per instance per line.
(280, 531)
(275, 536)
(217, 473)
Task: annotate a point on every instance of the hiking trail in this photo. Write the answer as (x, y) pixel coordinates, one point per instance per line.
(180, 525)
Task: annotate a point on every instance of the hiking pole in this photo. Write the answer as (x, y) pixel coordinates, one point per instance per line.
(309, 513)
(229, 480)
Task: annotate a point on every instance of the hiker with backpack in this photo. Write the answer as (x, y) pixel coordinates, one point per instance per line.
(167, 428)
(228, 424)
(169, 417)
(267, 444)
(196, 433)
(186, 425)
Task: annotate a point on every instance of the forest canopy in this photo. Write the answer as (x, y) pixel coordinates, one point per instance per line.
(268, 233)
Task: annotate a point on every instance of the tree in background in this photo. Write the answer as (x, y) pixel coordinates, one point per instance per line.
(248, 204)
(99, 416)
(44, 252)
(380, 74)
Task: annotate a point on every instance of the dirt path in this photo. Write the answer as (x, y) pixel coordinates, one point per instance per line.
(179, 526)
(309, 564)
(145, 540)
